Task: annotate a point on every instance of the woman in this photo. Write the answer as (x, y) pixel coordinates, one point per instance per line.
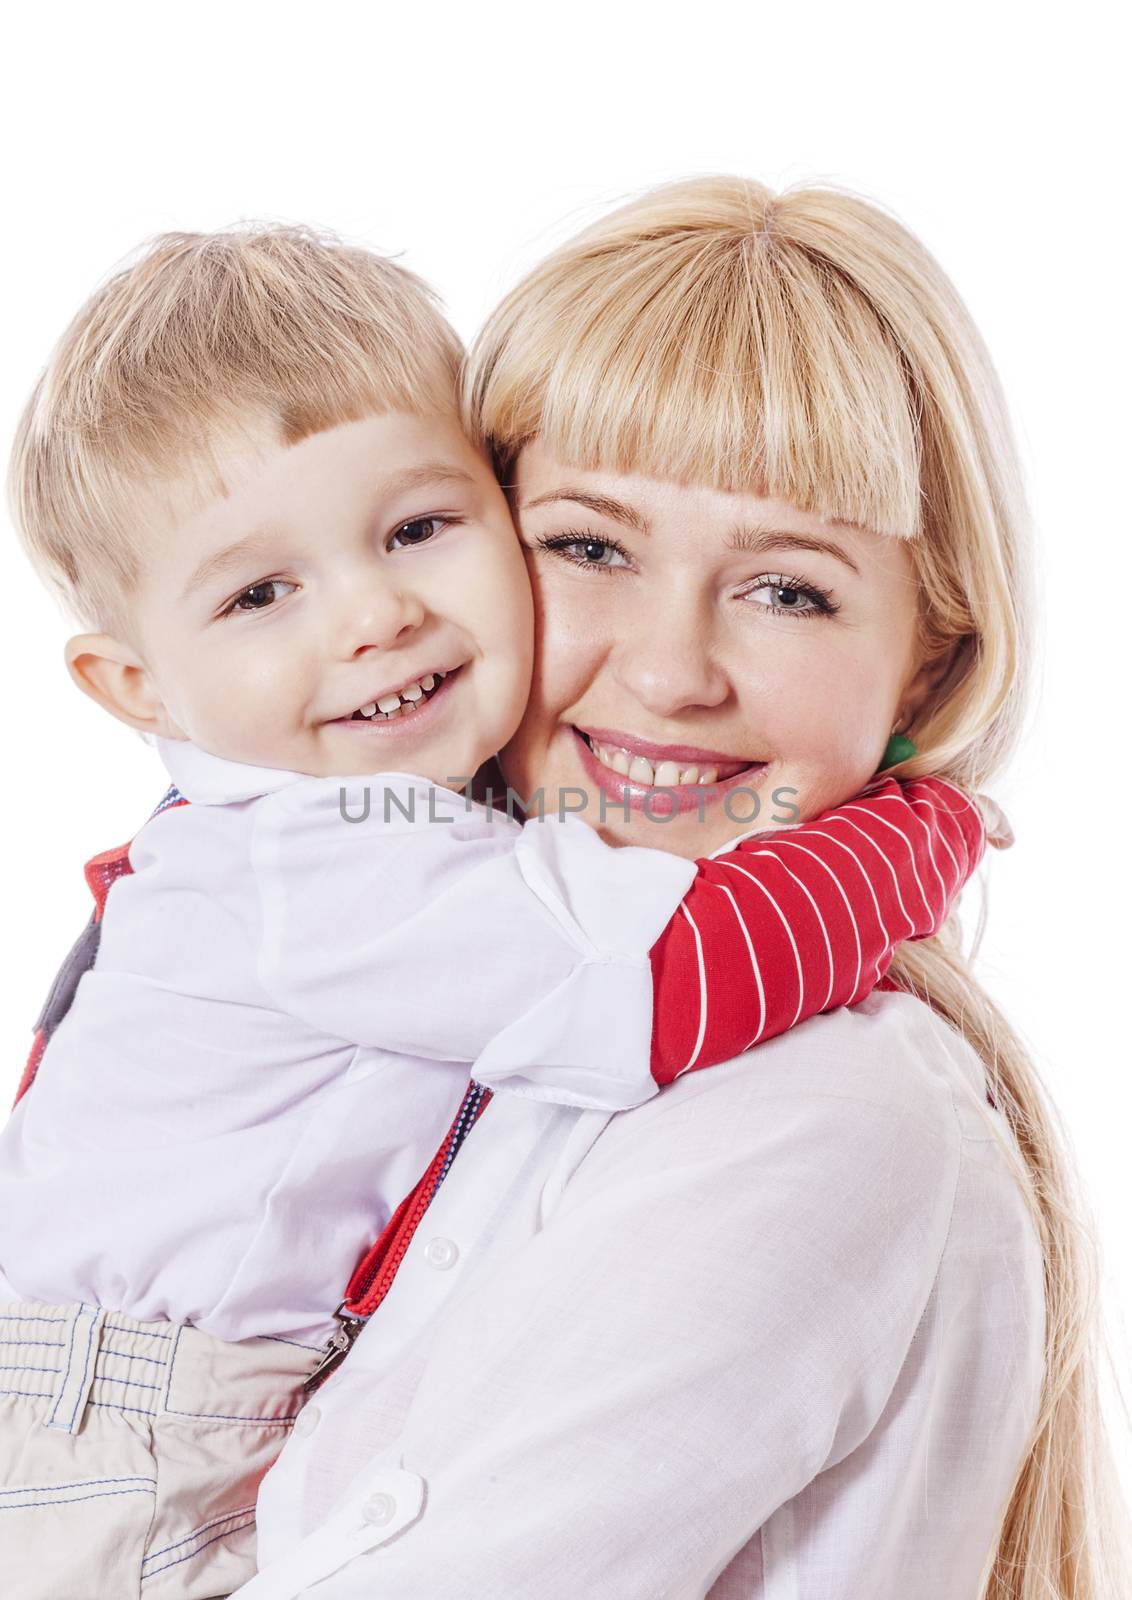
(815, 1322)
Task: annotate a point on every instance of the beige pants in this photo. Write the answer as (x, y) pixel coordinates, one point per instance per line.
(131, 1452)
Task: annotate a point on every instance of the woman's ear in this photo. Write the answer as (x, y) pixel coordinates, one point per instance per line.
(924, 683)
(116, 677)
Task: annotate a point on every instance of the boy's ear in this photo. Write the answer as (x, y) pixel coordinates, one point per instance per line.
(115, 676)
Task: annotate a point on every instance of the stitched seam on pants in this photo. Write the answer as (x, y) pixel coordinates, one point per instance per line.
(220, 1416)
(93, 1328)
(79, 1483)
(128, 1355)
(132, 1383)
(73, 1500)
(142, 1333)
(239, 1528)
(205, 1527)
(67, 1363)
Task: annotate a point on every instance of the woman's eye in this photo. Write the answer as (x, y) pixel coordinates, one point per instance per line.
(790, 596)
(419, 531)
(259, 596)
(583, 551)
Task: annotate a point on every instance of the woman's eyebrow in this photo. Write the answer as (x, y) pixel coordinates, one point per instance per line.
(603, 504)
(753, 541)
(761, 541)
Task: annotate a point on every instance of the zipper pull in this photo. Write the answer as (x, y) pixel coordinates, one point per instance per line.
(337, 1348)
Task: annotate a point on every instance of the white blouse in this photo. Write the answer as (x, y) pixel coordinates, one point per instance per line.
(775, 1335)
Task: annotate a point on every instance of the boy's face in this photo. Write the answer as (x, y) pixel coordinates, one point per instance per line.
(365, 560)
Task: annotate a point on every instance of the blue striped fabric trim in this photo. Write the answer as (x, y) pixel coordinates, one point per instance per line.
(465, 1120)
(171, 797)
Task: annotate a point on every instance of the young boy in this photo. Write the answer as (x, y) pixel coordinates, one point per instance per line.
(244, 470)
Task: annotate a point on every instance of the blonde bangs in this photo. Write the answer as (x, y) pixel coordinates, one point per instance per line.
(205, 338)
(723, 355)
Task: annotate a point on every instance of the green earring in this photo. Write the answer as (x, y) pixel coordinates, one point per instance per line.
(898, 748)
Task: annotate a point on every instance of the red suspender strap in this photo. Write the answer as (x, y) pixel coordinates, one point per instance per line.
(373, 1277)
(102, 873)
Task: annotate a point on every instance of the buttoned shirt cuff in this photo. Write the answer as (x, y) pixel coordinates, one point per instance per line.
(381, 1505)
(588, 1042)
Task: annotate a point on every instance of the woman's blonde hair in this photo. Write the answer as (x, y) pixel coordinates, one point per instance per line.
(805, 344)
(203, 337)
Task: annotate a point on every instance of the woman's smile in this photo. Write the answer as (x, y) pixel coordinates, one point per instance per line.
(666, 779)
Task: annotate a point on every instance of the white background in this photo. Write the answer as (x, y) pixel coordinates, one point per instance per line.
(472, 139)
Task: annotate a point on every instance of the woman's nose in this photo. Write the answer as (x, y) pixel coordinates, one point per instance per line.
(665, 661)
(374, 614)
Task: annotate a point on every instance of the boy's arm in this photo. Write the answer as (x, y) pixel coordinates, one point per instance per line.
(794, 922)
(459, 936)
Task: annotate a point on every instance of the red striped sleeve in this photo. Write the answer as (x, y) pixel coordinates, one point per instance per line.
(804, 919)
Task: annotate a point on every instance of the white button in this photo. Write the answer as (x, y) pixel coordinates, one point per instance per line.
(379, 1509)
(441, 1253)
(307, 1421)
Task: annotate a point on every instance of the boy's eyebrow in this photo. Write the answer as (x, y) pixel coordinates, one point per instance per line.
(411, 478)
(221, 560)
(429, 472)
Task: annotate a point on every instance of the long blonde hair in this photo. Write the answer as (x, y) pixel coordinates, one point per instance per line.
(807, 345)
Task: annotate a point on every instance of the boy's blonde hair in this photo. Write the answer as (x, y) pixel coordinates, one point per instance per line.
(805, 345)
(204, 335)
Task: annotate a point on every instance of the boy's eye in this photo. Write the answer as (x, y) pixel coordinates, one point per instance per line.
(419, 531)
(259, 595)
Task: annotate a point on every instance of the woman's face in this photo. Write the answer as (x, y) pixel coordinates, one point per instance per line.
(747, 656)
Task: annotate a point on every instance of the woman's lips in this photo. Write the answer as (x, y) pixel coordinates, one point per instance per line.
(686, 755)
(662, 799)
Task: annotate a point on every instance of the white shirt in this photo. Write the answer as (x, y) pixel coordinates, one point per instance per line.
(278, 1029)
(775, 1335)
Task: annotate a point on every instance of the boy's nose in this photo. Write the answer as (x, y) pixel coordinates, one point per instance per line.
(375, 616)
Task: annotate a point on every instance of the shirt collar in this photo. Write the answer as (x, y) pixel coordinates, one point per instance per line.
(212, 780)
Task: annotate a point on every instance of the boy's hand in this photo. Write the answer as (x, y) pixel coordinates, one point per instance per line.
(999, 832)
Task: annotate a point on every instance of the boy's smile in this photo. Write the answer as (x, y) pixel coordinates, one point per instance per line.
(349, 604)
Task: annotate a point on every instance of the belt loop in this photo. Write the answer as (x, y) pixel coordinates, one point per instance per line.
(78, 1372)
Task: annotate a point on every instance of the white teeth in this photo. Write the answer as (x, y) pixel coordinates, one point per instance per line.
(640, 771)
(393, 705)
(667, 775)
